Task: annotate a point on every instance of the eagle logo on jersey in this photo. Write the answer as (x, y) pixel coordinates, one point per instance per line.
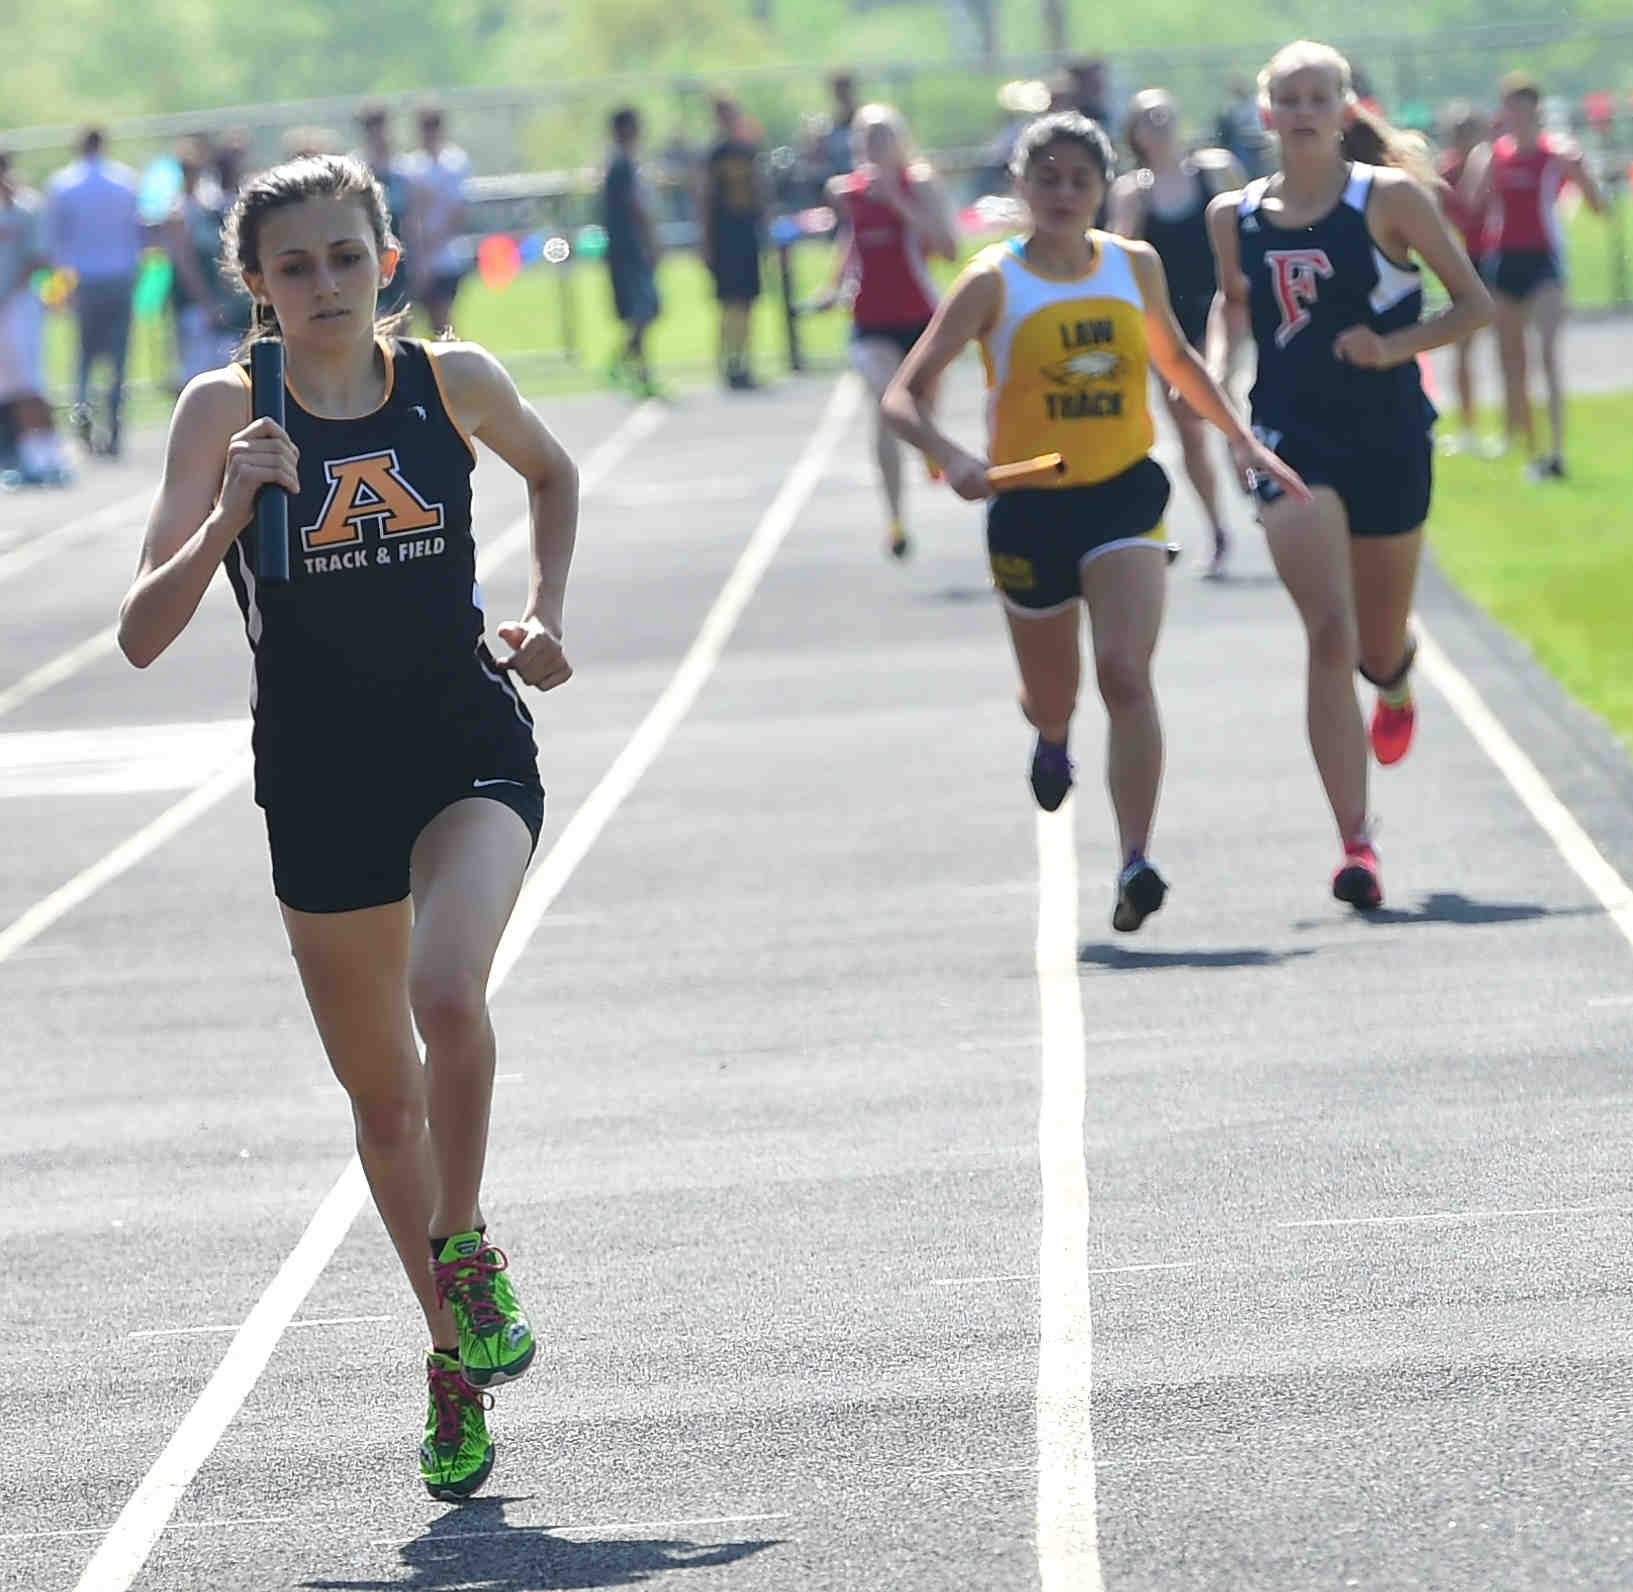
(1081, 369)
(368, 489)
(1294, 276)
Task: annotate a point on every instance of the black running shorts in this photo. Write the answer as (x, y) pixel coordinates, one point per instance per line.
(1385, 490)
(1518, 273)
(341, 855)
(1039, 539)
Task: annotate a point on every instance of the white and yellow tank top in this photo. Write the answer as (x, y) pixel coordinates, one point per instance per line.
(1066, 364)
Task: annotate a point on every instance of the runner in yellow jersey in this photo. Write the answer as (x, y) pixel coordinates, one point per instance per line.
(1068, 320)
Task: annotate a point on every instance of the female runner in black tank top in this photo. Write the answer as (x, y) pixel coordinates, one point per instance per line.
(393, 755)
(1316, 266)
(1165, 201)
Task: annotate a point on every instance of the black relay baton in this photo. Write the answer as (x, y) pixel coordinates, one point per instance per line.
(266, 384)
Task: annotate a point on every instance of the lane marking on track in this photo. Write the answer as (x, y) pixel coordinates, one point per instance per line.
(1459, 1216)
(1067, 1528)
(1611, 1000)
(238, 1326)
(600, 463)
(24, 555)
(1585, 859)
(124, 1550)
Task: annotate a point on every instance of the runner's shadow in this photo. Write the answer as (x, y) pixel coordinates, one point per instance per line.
(958, 594)
(473, 1547)
(1447, 906)
(1121, 958)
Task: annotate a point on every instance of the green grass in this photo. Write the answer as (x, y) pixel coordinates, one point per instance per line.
(1553, 562)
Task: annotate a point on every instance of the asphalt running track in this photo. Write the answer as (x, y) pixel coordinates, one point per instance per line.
(785, 1151)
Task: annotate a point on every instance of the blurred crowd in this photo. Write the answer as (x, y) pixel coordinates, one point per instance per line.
(103, 241)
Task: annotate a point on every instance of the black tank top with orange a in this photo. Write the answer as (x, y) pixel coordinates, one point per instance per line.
(370, 671)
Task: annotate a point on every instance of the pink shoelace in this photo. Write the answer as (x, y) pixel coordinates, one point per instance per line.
(450, 1393)
(472, 1277)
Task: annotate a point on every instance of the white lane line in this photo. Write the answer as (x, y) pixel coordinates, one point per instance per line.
(1611, 1000)
(25, 555)
(598, 464)
(38, 918)
(682, 691)
(47, 911)
(1459, 1216)
(62, 667)
(122, 1553)
(310, 1321)
(592, 1526)
(1586, 861)
(1067, 1528)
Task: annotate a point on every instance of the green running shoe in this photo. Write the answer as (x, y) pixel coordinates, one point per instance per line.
(457, 1453)
(495, 1339)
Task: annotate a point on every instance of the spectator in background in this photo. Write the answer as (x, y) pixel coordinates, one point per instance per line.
(836, 142)
(1091, 94)
(390, 171)
(439, 254)
(1241, 129)
(229, 157)
(1465, 130)
(732, 202)
(39, 454)
(632, 250)
(207, 325)
(94, 228)
(301, 143)
(679, 165)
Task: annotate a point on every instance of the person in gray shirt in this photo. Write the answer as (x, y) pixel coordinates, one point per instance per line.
(94, 228)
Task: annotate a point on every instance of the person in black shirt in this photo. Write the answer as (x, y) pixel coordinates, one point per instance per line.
(1316, 264)
(732, 204)
(632, 249)
(1165, 201)
(394, 756)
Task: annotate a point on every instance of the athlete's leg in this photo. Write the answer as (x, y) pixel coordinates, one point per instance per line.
(1047, 653)
(1384, 577)
(354, 966)
(467, 869)
(1548, 306)
(1463, 354)
(876, 360)
(1125, 590)
(1511, 316)
(734, 325)
(1194, 434)
(1309, 543)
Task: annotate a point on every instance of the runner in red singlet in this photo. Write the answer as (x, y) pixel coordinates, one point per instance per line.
(1514, 183)
(892, 219)
(1467, 129)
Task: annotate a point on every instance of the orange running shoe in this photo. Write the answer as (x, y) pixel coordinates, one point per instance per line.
(1392, 727)
(1357, 880)
(933, 469)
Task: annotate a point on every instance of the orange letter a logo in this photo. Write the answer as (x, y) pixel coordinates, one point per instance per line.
(369, 487)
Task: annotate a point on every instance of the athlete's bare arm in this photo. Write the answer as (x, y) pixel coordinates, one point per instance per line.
(931, 213)
(969, 311)
(485, 402)
(1576, 167)
(1230, 325)
(1125, 207)
(1178, 364)
(1474, 187)
(215, 461)
(844, 250)
(1404, 220)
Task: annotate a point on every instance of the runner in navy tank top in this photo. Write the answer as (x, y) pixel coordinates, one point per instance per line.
(893, 218)
(1316, 265)
(393, 754)
(1165, 201)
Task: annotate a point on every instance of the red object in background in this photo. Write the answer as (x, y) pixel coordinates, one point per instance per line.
(498, 260)
(1600, 108)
